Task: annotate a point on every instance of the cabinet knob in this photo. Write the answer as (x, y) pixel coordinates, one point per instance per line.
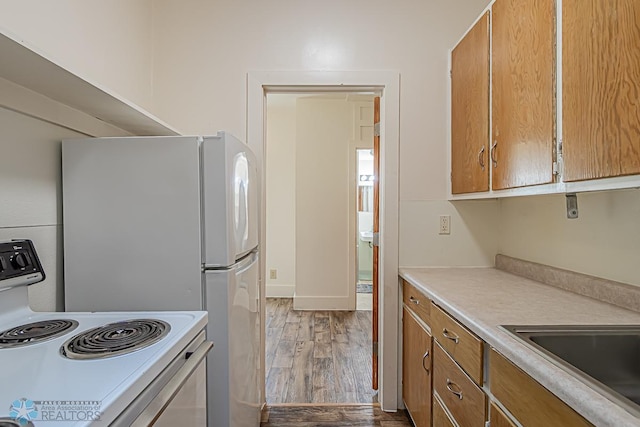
(413, 300)
(481, 157)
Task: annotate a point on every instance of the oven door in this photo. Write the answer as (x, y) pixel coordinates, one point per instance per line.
(177, 397)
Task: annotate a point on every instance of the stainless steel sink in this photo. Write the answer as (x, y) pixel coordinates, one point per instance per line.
(607, 358)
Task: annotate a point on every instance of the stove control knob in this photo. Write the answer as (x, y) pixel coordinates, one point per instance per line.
(19, 260)
(3, 264)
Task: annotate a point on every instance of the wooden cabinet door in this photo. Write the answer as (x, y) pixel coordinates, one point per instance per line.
(497, 418)
(440, 417)
(470, 111)
(416, 369)
(523, 64)
(527, 400)
(600, 88)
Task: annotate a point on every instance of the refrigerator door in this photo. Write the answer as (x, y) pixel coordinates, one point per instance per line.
(132, 224)
(233, 366)
(231, 186)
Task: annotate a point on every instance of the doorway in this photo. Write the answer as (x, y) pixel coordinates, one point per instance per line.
(364, 228)
(387, 82)
(318, 349)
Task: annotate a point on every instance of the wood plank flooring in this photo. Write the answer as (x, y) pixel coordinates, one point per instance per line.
(333, 415)
(317, 356)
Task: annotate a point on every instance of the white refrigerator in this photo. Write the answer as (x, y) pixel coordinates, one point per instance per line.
(171, 223)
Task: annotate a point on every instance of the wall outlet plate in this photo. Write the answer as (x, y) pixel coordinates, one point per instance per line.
(445, 224)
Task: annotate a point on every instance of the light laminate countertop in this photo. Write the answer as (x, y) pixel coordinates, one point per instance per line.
(485, 298)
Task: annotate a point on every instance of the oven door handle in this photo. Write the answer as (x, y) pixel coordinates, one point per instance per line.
(159, 403)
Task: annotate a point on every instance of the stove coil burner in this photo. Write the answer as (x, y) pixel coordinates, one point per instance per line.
(115, 339)
(32, 333)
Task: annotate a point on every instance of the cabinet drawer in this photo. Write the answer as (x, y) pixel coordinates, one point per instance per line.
(460, 343)
(416, 301)
(440, 417)
(526, 399)
(464, 399)
(498, 418)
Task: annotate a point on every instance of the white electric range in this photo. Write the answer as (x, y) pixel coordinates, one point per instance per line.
(131, 368)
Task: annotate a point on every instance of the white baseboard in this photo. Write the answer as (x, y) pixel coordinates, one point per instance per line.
(323, 303)
(280, 291)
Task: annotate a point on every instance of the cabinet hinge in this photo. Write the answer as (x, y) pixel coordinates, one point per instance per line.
(450, 74)
(376, 129)
(556, 171)
(374, 348)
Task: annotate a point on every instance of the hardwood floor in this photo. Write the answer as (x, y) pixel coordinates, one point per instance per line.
(317, 356)
(332, 415)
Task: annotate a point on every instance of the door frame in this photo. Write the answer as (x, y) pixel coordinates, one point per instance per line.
(259, 83)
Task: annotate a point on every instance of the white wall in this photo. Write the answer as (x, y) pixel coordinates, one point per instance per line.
(107, 42)
(604, 241)
(473, 240)
(286, 130)
(322, 204)
(204, 50)
(280, 190)
(30, 196)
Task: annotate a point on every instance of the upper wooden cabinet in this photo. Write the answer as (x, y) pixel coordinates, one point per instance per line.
(565, 127)
(600, 88)
(470, 110)
(523, 82)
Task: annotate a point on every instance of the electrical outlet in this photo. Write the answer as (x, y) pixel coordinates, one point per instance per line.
(273, 273)
(445, 223)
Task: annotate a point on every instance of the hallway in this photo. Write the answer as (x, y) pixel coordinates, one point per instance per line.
(317, 356)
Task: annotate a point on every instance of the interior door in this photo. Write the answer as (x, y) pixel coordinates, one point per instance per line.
(376, 234)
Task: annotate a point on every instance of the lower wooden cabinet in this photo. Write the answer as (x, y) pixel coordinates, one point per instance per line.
(417, 302)
(416, 369)
(498, 418)
(465, 401)
(445, 376)
(440, 417)
(526, 399)
(461, 344)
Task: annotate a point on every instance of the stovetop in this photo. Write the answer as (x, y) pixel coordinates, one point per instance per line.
(40, 373)
(39, 379)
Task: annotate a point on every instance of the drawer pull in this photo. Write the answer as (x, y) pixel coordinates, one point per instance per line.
(450, 335)
(454, 388)
(426, 354)
(492, 154)
(413, 300)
